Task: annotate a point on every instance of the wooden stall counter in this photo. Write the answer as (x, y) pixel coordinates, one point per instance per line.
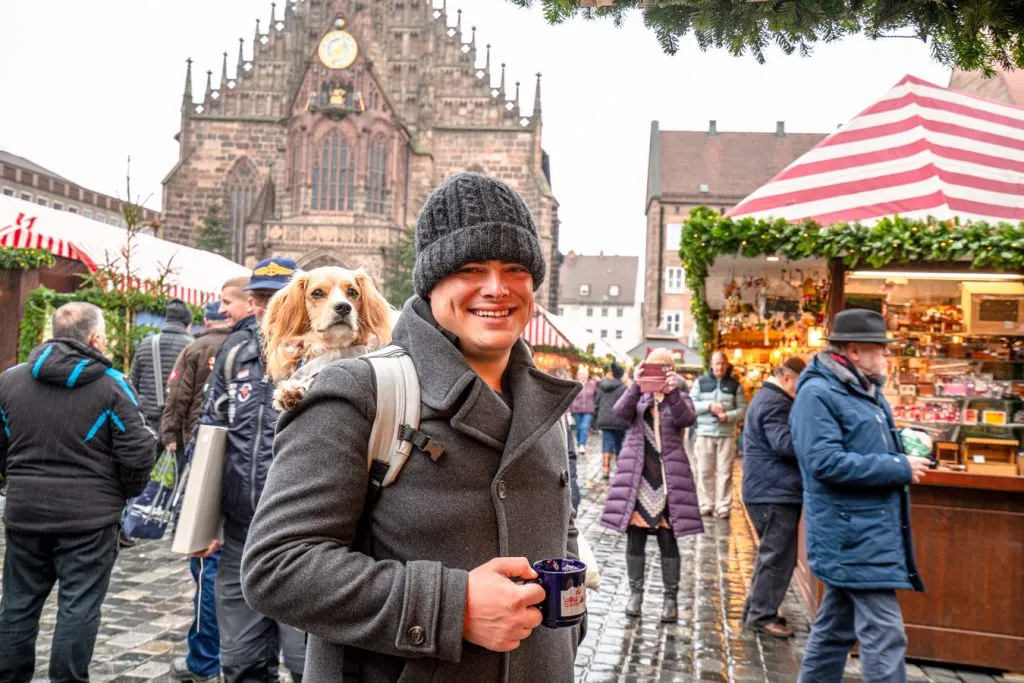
(969, 544)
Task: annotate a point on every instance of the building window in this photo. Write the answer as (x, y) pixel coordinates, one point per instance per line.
(604, 334)
(584, 290)
(673, 236)
(112, 220)
(8, 192)
(239, 205)
(674, 280)
(673, 321)
(58, 206)
(677, 210)
(618, 334)
(618, 312)
(334, 181)
(101, 218)
(604, 312)
(41, 201)
(613, 290)
(72, 209)
(87, 213)
(590, 312)
(590, 331)
(376, 176)
(26, 196)
(561, 310)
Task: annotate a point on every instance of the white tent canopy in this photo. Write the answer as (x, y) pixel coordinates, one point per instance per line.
(194, 275)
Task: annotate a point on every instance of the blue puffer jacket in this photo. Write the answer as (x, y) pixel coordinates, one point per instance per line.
(243, 404)
(856, 504)
(770, 472)
(708, 390)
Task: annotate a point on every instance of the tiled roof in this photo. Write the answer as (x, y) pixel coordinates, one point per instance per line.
(600, 272)
(1004, 86)
(731, 165)
(9, 159)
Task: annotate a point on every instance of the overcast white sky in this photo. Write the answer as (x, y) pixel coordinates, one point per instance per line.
(85, 84)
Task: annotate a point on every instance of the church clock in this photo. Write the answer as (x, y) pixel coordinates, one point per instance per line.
(338, 49)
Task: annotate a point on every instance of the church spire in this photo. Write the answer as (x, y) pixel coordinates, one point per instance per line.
(472, 38)
(273, 19)
(458, 24)
(186, 97)
(536, 99)
(224, 72)
(241, 60)
(517, 96)
(487, 64)
(256, 39)
(501, 87)
(208, 97)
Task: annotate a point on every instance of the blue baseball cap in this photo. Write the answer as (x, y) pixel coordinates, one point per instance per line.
(272, 274)
(212, 312)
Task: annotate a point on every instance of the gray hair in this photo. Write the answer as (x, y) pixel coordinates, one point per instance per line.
(77, 320)
(782, 371)
(836, 347)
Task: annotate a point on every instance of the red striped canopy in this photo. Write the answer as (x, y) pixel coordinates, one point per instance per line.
(540, 331)
(920, 150)
(194, 275)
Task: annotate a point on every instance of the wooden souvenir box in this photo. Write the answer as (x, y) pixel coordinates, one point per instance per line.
(947, 452)
(990, 456)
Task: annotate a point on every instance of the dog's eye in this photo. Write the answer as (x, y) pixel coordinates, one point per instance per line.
(317, 294)
(352, 292)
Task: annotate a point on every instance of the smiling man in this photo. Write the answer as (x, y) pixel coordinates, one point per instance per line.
(426, 584)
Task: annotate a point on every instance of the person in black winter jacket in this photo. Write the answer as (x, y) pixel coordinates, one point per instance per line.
(147, 377)
(772, 494)
(240, 398)
(74, 448)
(613, 428)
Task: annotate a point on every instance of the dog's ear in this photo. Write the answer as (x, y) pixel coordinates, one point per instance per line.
(374, 312)
(286, 319)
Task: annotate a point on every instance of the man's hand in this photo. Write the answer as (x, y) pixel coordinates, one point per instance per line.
(172, 447)
(717, 410)
(499, 612)
(918, 468)
(210, 550)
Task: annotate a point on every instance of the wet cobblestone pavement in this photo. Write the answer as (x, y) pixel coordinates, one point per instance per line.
(148, 610)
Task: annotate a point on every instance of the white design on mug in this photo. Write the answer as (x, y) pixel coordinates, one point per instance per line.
(574, 601)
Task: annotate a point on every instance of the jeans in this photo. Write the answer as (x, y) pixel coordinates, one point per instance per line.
(203, 635)
(250, 642)
(776, 525)
(845, 616)
(611, 440)
(81, 565)
(582, 428)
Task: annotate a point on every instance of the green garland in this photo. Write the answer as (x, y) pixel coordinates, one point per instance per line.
(706, 235)
(16, 258)
(42, 301)
(574, 354)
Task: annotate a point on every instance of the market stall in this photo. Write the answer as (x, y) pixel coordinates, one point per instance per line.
(192, 275)
(557, 343)
(915, 206)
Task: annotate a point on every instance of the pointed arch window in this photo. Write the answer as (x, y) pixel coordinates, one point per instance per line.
(376, 176)
(333, 175)
(241, 195)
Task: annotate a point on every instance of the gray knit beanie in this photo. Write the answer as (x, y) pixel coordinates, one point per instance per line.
(471, 217)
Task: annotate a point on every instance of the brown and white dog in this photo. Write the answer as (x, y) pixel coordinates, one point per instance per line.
(321, 316)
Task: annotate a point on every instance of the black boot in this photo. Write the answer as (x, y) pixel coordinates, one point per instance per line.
(670, 577)
(635, 571)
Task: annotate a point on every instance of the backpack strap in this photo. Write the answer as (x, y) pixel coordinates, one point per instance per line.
(396, 424)
(228, 372)
(158, 374)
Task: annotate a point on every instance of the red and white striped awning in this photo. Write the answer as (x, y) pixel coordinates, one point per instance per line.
(194, 275)
(921, 150)
(540, 331)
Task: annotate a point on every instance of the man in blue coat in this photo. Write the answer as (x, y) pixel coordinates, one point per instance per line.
(772, 494)
(856, 503)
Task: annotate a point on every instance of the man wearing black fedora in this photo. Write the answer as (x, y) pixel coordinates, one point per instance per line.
(856, 503)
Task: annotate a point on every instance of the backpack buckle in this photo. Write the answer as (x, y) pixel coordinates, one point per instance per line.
(421, 441)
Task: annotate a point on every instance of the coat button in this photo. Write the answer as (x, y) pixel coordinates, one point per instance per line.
(416, 635)
(565, 477)
(502, 489)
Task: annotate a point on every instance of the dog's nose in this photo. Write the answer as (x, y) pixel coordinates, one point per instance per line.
(343, 308)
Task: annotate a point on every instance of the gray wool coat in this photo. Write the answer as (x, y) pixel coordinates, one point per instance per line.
(500, 489)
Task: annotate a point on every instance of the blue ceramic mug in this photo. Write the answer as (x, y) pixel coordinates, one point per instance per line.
(564, 584)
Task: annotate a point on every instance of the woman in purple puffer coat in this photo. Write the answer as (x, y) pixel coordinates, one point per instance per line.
(653, 491)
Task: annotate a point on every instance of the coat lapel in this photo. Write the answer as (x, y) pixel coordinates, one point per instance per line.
(538, 401)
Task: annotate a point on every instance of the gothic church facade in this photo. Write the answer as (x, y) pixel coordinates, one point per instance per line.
(327, 140)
